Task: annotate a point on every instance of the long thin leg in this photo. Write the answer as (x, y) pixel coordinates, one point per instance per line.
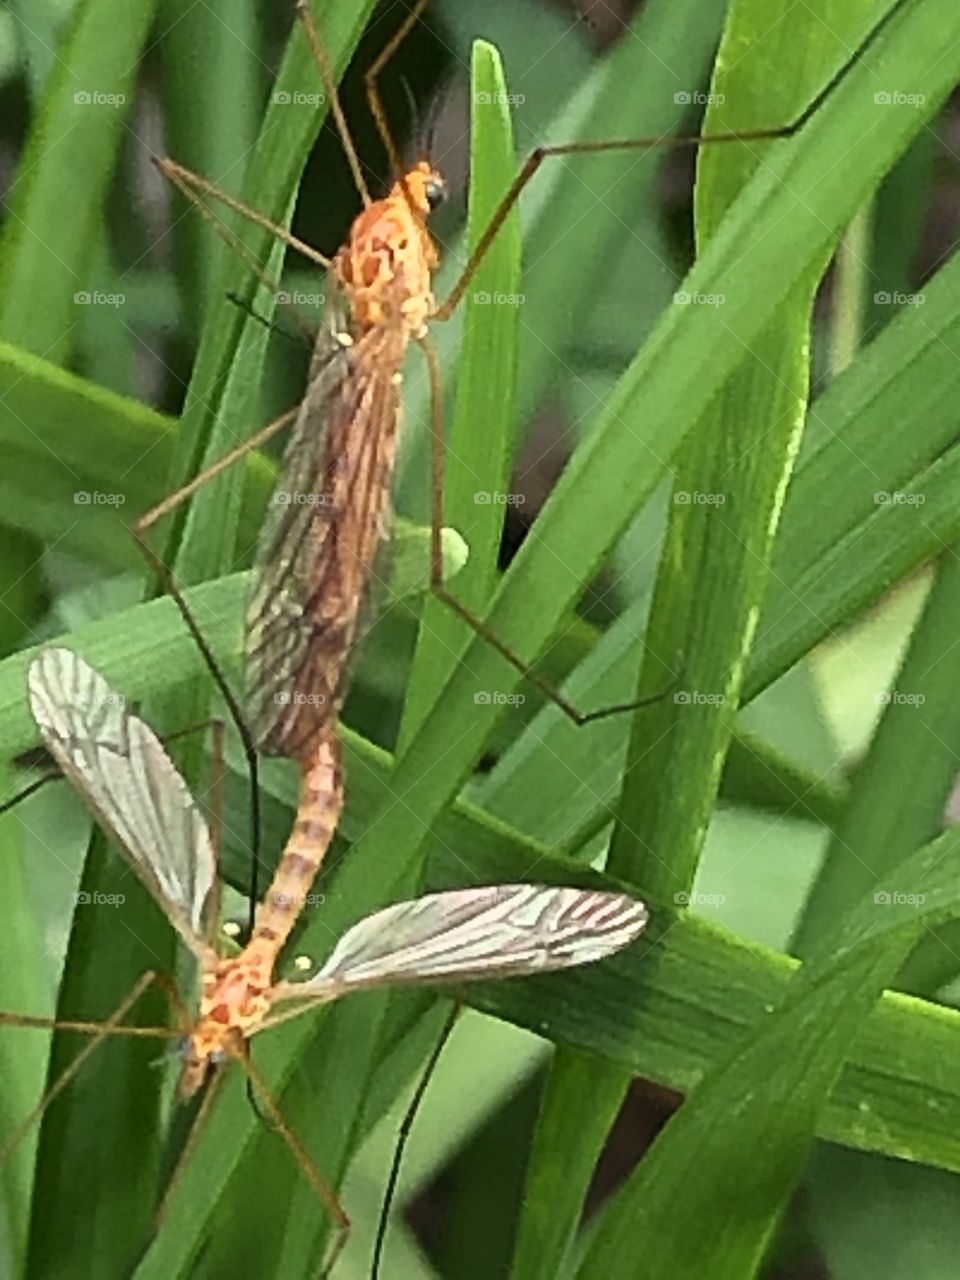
(324, 1191)
(322, 59)
(52, 775)
(270, 325)
(233, 706)
(183, 1159)
(403, 1138)
(99, 1031)
(371, 83)
(56, 775)
(539, 154)
(189, 184)
(439, 589)
(216, 829)
(536, 158)
(173, 500)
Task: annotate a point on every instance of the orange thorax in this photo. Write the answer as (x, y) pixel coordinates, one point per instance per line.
(387, 265)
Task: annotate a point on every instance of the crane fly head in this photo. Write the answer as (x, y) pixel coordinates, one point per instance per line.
(425, 188)
(194, 1071)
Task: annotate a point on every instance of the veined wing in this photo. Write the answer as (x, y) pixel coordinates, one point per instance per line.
(466, 934)
(323, 527)
(129, 782)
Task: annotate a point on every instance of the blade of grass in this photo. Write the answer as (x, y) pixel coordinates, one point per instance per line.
(480, 441)
(919, 722)
(214, 79)
(713, 569)
(69, 162)
(885, 427)
(63, 435)
(22, 1060)
(754, 1117)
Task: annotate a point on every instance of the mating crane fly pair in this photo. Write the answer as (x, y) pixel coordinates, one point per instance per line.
(315, 561)
(125, 776)
(316, 557)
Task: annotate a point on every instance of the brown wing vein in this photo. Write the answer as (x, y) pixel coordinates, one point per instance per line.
(318, 552)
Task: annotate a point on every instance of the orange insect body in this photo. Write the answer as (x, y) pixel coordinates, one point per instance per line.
(318, 812)
(387, 265)
(385, 275)
(234, 1001)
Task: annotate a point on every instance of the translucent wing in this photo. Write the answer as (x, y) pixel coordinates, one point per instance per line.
(323, 527)
(129, 782)
(467, 934)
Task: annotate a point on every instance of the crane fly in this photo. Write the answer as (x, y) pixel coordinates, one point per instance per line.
(328, 514)
(331, 504)
(316, 556)
(136, 793)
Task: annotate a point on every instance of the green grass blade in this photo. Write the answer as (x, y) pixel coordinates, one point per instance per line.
(754, 1117)
(69, 162)
(479, 443)
(885, 427)
(714, 564)
(919, 721)
(615, 470)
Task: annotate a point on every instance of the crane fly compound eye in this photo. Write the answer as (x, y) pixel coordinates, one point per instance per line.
(435, 190)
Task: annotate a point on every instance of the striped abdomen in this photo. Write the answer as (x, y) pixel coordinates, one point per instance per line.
(321, 802)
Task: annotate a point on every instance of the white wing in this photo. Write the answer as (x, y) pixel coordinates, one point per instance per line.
(466, 934)
(129, 782)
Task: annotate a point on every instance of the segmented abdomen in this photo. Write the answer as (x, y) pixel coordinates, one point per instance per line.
(318, 812)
